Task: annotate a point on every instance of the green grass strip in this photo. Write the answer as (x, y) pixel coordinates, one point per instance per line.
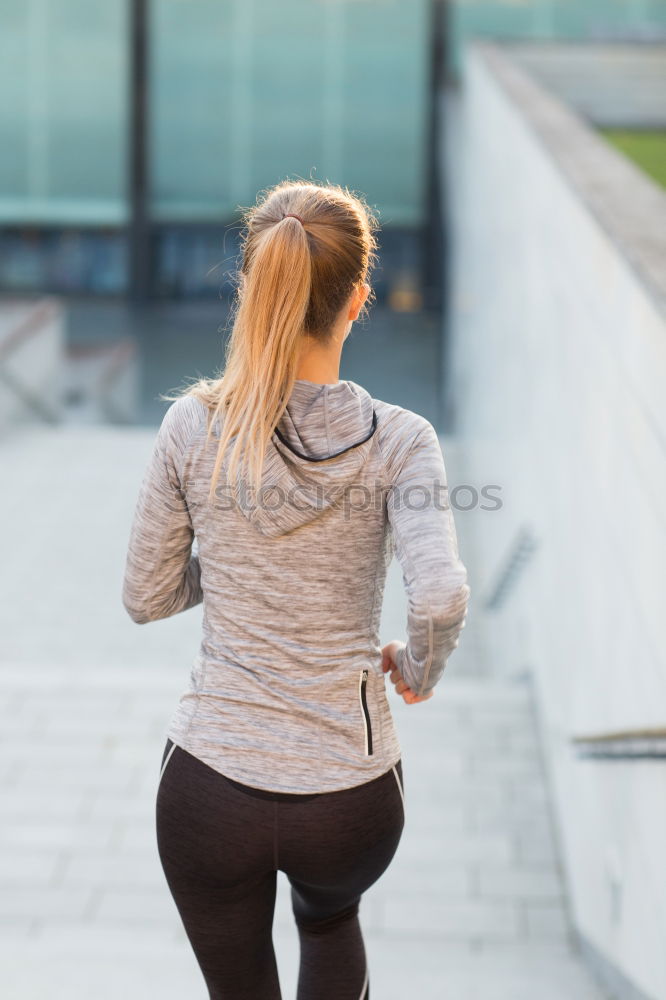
(646, 148)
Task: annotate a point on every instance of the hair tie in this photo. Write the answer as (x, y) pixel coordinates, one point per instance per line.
(293, 215)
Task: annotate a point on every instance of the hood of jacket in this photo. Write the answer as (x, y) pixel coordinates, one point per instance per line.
(314, 454)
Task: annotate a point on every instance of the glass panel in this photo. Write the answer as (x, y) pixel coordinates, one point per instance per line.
(196, 51)
(247, 92)
(63, 68)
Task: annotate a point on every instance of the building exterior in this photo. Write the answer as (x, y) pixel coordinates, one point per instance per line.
(172, 115)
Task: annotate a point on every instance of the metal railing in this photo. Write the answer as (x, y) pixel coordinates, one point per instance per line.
(521, 551)
(28, 327)
(623, 744)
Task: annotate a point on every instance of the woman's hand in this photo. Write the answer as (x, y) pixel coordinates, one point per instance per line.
(389, 653)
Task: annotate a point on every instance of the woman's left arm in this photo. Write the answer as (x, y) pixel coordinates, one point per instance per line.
(162, 576)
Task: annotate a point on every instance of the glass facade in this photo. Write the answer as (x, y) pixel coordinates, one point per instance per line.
(245, 92)
(241, 94)
(63, 73)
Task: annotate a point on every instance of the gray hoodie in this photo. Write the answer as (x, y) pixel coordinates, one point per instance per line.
(286, 691)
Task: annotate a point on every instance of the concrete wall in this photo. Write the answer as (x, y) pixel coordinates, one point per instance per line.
(559, 379)
(547, 20)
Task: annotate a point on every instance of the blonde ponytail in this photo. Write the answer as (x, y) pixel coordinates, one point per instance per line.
(304, 248)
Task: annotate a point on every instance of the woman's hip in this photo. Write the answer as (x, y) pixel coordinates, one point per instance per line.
(213, 823)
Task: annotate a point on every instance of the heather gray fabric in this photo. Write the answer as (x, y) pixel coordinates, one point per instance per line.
(286, 692)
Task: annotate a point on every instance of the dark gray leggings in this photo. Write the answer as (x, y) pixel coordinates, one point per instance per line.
(221, 845)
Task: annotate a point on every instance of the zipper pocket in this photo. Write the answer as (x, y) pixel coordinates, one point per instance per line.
(363, 681)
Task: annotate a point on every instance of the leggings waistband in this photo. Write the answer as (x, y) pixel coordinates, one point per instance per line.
(263, 793)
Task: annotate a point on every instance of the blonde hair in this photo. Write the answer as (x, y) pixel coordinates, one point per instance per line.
(294, 279)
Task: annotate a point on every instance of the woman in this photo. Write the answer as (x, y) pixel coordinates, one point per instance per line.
(282, 753)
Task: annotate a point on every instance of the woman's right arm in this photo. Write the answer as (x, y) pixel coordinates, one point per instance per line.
(434, 576)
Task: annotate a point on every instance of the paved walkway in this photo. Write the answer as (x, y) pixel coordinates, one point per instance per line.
(472, 907)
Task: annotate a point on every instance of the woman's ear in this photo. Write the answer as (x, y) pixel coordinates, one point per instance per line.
(359, 296)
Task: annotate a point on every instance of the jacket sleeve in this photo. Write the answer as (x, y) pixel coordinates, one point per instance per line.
(162, 576)
(426, 546)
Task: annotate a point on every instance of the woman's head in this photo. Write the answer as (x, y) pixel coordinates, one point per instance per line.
(297, 284)
(315, 263)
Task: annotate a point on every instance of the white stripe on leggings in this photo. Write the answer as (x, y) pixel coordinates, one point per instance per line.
(402, 796)
(365, 985)
(166, 761)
